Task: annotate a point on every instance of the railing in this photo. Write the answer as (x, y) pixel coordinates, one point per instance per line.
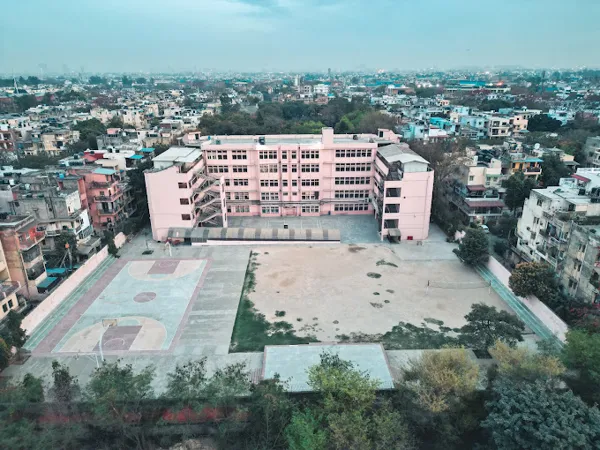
(108, 198)
(29, 241)
(9, 287)
(103, 184)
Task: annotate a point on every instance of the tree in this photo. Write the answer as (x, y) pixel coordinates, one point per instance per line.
(581, 354)
(372, 121)
(553, 169)
(13, 334)
(536, 416)
(116, 395)
(109, 238)
(4, 354)
(542, 122)
(126, 81)
(115, 122)
(486, 325)
(474, 247)
(344, 126)
(518, 188)
(533, 278)
(89, 130)
(521, 364)
(24, 102)
(62, 240)
(32, 389)
(305, 432)
(65, 387)
(442, 378)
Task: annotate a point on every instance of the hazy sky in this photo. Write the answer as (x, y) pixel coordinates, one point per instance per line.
(161, 35)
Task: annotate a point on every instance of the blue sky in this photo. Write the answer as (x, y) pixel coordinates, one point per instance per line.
(162, 35)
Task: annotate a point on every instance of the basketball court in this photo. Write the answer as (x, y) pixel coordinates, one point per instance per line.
(136, 306)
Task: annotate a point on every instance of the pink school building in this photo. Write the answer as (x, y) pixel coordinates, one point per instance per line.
(292, 175)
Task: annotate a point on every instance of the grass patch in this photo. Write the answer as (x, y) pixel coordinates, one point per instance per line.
(279, 313)
(373, 275)
(252, 331)
(383, 262)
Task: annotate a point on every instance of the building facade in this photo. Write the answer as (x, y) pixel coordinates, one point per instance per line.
(283, 175)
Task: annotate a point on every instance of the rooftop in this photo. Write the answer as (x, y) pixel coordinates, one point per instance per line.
(400, 153)
(179, 155)
(104, 171)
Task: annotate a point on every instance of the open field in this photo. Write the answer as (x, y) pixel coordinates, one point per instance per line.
(330, 291)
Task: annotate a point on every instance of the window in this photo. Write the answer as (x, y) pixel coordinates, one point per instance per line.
(227, 182)
(268, 168)
(285, 194)
(284, 183)
(354, 153)
(227, 195)
(216, 154)
(182, 185)
(294, 183)
(351, 207)
(186, 217)
(310, 168)
(353, 180)
(310, 154)
(269, 183)
(4, 307)
(471, 177)
(284, 154)
(240, 196)
(351, 194)
(240, 182)
(238, 154)
(284, 168)
(10, 303)
(240, 169)
(242, 209)
(293, 155)
(353, 167)
(270, 209)
(540, 202)
(218, 169)
(184, 201)
(310, 182)
(294, 168)
(267, 154)
(310, 209)
(310, 195)
(269, 196)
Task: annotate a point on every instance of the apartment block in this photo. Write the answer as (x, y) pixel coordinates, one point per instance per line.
(285, 175)
(21, 242)
(108, 198)
(8, 288)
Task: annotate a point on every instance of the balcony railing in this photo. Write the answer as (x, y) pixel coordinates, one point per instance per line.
(103, 184)
(108, 198)
(30, 240)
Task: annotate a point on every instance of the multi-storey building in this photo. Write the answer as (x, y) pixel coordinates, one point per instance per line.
(592, 151)
(57, 211)
(56, 141)
(21, 241)
(8, 288)
(108, 198)
(284, 175)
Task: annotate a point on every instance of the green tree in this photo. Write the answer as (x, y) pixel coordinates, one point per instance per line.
(117, 395)
(542, 122)
(553, 169)
(62, 240)
(486, 325)
(115, 122)
(581, 354)
(534, 278)
(305, 432)
(109, 239)
(65, 387)
(518, 188)
(519, 363)
(4, 354)
(372, 121)
(24, 102)
(89, 130)
(126, 81)
(536, 416)
(344, 126)
(32, 389)
(474, 247)
(13, 334)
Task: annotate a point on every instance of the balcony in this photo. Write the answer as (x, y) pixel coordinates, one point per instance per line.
(533, 169)
(103, 184)
(26, 241)
(108, 198)
(8, 288)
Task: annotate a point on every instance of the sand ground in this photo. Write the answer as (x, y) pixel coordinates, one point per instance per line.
(325, 291)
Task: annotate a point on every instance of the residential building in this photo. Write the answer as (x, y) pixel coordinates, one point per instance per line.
(56, 141)
(498, 127)
(21, 242)
(518, 162)
(281, 175)
(591, 150)
(563, 115)
(580, 270)
(105, 192)
(321, 89)
(58, 211)
(8, 288)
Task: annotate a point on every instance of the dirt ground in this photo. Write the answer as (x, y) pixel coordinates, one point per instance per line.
(329, 291)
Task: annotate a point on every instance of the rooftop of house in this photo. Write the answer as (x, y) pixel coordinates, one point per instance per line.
(179, 155)
(400, 153)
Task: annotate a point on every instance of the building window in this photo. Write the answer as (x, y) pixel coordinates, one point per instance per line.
(293, 155)
(240, 169)
(10, 304)
(186, 217)
(238, 154)
(182, 185)
(184, 201)
(351, 194)
(284, 154)
(269, 196)
(268, 168)
(351, 207)
(4, 307)
(284, 183)
(353, 180)
(228, 196)
(353, 167)
(270, 209)
(294, 183)
(284, 168)
(310, 168)
(310, 154)
(310, 195)
(218, 169)
(217, 154)
(240, 182)
(294, 168)
(540, 202)
(269, 183)
(310, 209)
(227, 182)
(241, 196)
(310, 182)
(471, 177)
(354, 153)
(242, 209)
(267, 154)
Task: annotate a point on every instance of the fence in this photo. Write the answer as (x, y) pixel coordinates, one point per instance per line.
(544, 314)
(50, 303)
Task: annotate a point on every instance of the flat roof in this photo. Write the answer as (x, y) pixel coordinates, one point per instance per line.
(400, 153)
(179, 154)
(291, 362)
(135, 157)
(104, 171)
